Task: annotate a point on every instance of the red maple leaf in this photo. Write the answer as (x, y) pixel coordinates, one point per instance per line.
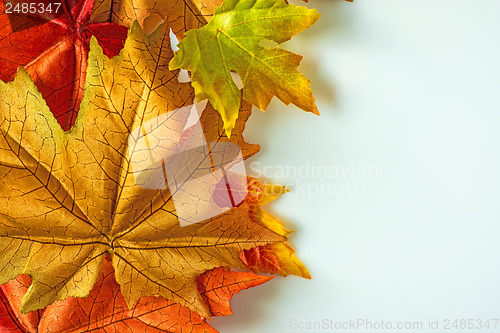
(105, 309)
(53, 46)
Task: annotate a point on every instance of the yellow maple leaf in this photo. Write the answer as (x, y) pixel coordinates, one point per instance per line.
(69, 198)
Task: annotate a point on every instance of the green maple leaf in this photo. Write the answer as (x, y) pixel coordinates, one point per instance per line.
(231, 41)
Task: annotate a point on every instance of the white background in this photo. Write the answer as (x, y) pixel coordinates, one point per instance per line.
(411, 88)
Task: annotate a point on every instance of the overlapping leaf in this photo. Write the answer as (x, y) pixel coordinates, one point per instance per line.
(276, 258)
(53, 47)
(79, 198)
(106, 310)
(231, 41)
(183, 15)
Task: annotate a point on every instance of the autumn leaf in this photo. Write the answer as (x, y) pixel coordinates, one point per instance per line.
(53, 44)
(217, 286)
(182, 15)
(231, 41)
(106, 310)
(276, 258)
(9, 321)
(105, 307)
(67, 199)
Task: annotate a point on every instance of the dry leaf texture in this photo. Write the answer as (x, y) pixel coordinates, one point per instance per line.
(69, 198)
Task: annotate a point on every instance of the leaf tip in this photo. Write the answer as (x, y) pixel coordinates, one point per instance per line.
(315, 110)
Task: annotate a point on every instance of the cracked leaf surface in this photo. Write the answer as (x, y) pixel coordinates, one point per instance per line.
(106, 310)
(69, 198)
